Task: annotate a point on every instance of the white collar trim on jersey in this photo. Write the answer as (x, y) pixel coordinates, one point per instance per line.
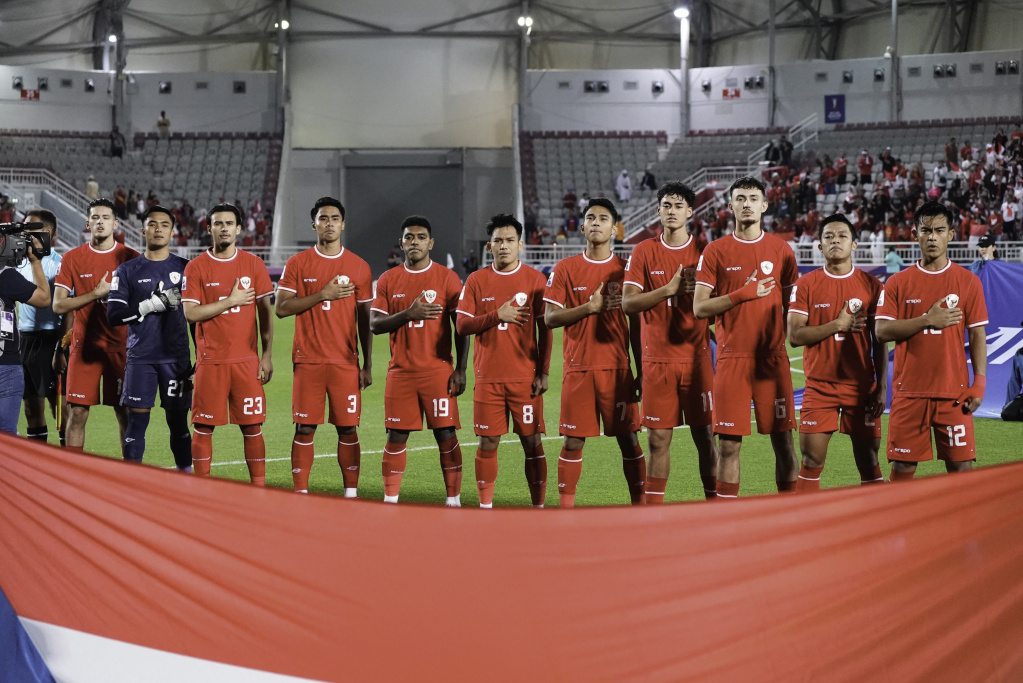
(934, 272)
(668, 246)
(103, 251)
(224, 260)
(607, 260)
(417, 272)
(320, 253)
(838, 277)
(493, 267)
(739, 239)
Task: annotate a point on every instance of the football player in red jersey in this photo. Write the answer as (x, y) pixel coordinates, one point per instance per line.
(831, 315)
(678, 374)
(584, 296)
(415, 304)
(328, 289)
(744, 280)
(98, 350)
(503, 306)
(223, 292)
(924, 310)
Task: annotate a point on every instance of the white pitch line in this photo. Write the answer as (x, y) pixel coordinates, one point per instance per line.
(801, 372)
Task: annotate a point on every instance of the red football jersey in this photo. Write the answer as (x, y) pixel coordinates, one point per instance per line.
(932, 363)
(670, 331)
(327, 332)
(844, 358)
(424, 346)
(599, 341)
(757, 327)
(230, 337)
(79, 272)
(505, 352)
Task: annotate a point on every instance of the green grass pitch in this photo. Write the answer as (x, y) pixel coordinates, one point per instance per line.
(602, 481)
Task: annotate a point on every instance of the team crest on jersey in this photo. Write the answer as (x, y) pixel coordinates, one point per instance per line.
(766, 267)
(175, 278)
(613, 288)
(246, 281)
(343, 279)
(855, 305)
(521, 298)
(952, 300)
(430, 296)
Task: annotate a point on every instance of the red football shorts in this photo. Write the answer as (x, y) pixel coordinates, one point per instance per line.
(407, 397)
(492, 401)
(314, 383)
(822, 403)
(677, 393)
(594, 396)
(909, 430)
(228, 385)
(87, 369)
(766, 382)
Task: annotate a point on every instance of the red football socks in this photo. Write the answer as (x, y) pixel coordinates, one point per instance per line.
(809, 479)
(710, 487)
(349, 458)
(872, 476)
(634, 467)
(536, 475)
(393, 467)
(570, 468)
(302, 454)
(727, 490)
(486, 474)
(654, 490)
(202, 451)
(451, 466)
(786, 486)
(255, 453)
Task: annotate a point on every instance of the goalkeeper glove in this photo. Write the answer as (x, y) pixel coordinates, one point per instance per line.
(973, 392)
(160, 301)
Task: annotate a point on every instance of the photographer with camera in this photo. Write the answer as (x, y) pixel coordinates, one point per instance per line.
(15, 288)
(41, 330)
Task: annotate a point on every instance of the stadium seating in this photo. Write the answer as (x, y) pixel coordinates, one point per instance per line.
(200, 167)
(587, 161)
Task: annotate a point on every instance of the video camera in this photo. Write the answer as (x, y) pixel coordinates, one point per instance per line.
(16, 240)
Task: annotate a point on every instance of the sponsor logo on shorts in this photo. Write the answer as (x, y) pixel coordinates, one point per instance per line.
(392, 419)
(77, 395)
(301, 414)
(653, 419)
(205, 415)
(479, 426)
(296, 470)
(902, 450)
(726, 424)
(809, 422)
(134, 398)
(568, 426)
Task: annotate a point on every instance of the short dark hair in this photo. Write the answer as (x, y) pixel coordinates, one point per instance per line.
(46, 217)
(156, 208)
(102, 201)
(221, 208)
(326, 201)
(931, 210)
(504, 220)
(838, 218)
(419, 221)
(604, 202)
(747, 182)
(679, 189)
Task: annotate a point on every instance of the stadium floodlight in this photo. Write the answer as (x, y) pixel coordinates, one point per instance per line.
(681, 13)
(112, 38)
(284, 24)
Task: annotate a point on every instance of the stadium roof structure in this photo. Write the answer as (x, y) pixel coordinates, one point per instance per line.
(44, 27)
